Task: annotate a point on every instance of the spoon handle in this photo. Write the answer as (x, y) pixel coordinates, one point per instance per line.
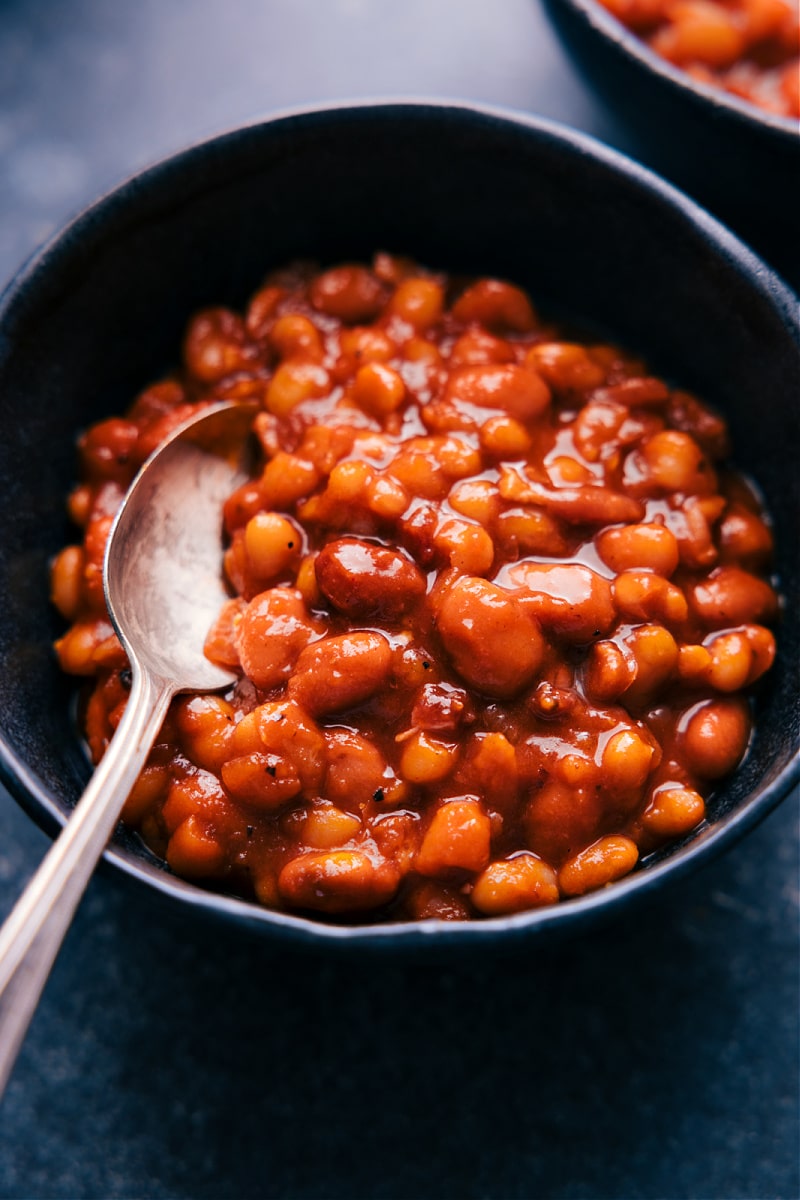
(32, 934)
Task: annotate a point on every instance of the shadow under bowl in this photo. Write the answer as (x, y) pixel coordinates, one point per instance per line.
(740, 161)
(100, 312)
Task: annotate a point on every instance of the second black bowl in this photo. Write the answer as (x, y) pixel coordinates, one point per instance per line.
(740, 161)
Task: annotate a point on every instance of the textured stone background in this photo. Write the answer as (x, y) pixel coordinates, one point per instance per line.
(656, 1058)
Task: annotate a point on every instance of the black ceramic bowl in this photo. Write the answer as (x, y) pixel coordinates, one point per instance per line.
(740, 161)
(101, 310)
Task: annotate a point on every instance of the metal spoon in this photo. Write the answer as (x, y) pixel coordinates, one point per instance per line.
(163, 585)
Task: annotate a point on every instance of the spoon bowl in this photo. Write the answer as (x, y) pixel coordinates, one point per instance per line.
(164, 587)
(161, 577)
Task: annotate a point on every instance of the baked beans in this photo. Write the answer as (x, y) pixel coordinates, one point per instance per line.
(496, 602)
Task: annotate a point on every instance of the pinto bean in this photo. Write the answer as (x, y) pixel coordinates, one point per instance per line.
(378, 389)
(518, 392)
(366, 344)
(731, 662)
(494, 644)
(431, 901)
(340, 672)
(216, 345)
(150, 787)
(267, 781)
(565, 365)
(364, 580)
(337, 881)
(505, 437)
(607, 673)
(762, 648)
(675, 463)
(650, 546)
(351, 293)
(198, 794)
(457, 839)
(655, 660)
(628, 757)
(326, 827)
(78, 649)
(286, 478)
(568, 599)
(221, 642)
(294, 336)
(386, 497)
(560, 817)
(477, 499)
(427, 466)
(565, 471)
(597, 429)
(358, 773)
(293, 383)
(418, 301)
(643, 596)
(700, 32)
(731, 596)
(673, 811)
(272, 543)
(426, 759)
(205, 725)
(242, 505)
(108, 450)
(605, 860)
(500, 306)
(261, 311)
(531, 531)
(491, 769)
(274, 628)
(286, 729)
(66, 581)
(477, 347)
(468, 546)
(744, 537)
(693, 663)
(714, 735)
(514, 885)
(196, 851)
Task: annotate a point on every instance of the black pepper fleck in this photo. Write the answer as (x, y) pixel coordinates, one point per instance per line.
(377, 795)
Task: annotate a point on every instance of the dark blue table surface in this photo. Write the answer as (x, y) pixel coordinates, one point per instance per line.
(656, 1058)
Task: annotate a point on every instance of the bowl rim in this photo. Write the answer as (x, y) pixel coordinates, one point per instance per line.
(26, 787)
(611, 28)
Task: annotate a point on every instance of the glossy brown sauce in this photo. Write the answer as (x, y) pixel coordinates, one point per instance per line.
(496, 605)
